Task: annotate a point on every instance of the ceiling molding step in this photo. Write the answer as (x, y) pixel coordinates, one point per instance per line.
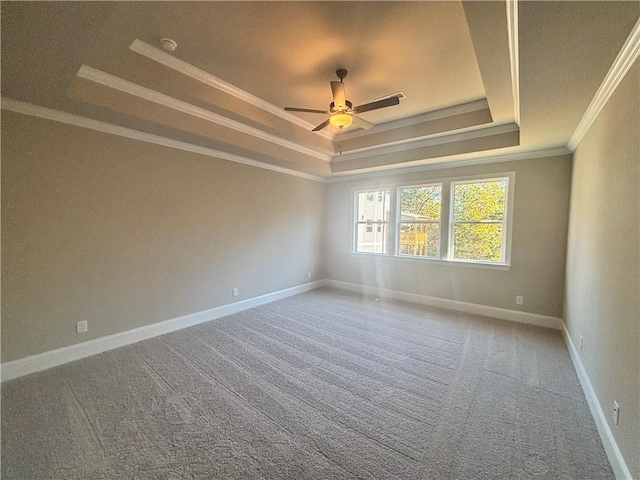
(466, 125)
(111, 81)
(84, 122)
(25, 108)
(416, 119)
(446, 137)
(196, 73)
(621, 65)
(444, 151)
(450, 162)
(514, 55)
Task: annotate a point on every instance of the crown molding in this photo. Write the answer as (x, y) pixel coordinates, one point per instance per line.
(450, 163)
(373, 149)
(621, 65)
(139, 91)
(25, 108)
(189, 70)
(84, 122)
(427, 141)
(416, 119)
(514, 55)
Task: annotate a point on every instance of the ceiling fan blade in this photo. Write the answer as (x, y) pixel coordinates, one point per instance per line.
(362, 123)
(308, 110)
(321, 126)
(339, 97)
(385, 102)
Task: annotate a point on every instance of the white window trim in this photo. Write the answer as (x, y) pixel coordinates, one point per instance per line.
(445, 228)
(505, 253)
(355, 221)
(398, 219)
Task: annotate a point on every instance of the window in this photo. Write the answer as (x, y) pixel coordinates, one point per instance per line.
(419, 220)
(368, 239)
(454, 219)
(478, 223)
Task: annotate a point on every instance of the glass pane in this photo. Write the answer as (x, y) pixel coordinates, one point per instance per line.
(477, 241)
(371, 239)
(373, 206)
(420, 203)
(419, 239)
(479, 201)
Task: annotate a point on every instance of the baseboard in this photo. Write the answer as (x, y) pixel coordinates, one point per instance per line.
(53, 358)
(620, 469)
(474, 308)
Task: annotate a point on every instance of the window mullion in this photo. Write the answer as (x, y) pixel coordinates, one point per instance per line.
(394, 224)
(446, 213)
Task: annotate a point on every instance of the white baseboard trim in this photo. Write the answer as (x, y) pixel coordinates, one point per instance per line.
(474, 308)
(53, 358)
(619, 466)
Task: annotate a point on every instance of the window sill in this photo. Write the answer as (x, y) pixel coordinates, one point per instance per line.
(437, 261)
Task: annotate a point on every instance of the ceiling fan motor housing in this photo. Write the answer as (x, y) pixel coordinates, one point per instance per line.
(343, 115)
(333, 109)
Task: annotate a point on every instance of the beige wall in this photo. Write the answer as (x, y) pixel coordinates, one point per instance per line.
(603, 263)
(538, 246)
(123, 233)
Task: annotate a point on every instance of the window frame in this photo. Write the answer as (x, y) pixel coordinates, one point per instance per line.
(399, 222)
(377, 223)
(453, 222)
(446, 220)
(505, 244)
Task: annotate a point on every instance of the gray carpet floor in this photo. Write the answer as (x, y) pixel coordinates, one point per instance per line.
(323, 385)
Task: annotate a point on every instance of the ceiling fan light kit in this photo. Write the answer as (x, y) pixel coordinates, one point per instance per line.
(341, 110)
(341, 120)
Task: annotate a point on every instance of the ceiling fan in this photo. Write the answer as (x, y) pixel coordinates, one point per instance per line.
(341, 111)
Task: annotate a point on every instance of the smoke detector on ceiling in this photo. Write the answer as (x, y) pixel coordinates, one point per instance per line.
(168, 44)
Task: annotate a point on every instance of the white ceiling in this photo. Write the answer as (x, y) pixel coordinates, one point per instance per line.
(454, 60)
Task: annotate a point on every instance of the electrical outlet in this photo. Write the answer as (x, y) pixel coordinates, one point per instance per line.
(616, 412)
(519, 300)
(309, 275)
(581, 342)
(82, 326)
(234, 292)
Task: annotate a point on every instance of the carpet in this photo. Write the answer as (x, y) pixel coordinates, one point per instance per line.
(324, 385)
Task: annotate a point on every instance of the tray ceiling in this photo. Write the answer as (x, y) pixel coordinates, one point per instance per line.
(238, 63)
